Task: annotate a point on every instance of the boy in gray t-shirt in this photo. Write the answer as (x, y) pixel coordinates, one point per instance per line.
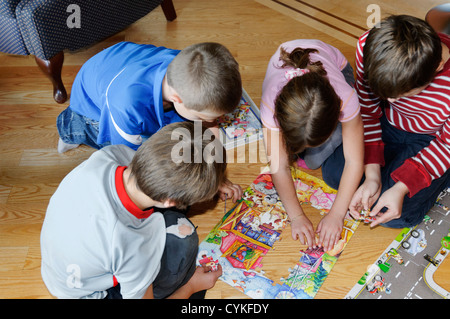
(109, 230)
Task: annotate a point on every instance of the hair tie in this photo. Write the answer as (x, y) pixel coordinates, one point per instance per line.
(290, 74)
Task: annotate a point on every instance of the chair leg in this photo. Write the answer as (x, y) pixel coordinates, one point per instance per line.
(52, 69)
(169, 10)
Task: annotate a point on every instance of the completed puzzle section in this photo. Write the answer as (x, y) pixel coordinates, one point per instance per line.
(252, 228)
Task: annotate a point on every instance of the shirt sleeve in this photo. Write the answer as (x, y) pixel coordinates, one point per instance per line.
(429, 164)
(272, 84)
(136, 255)
(268, 116)
(370, 111)
(419, 171)
(125, 121)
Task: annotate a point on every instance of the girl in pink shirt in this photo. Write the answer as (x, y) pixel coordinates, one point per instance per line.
(309, 108)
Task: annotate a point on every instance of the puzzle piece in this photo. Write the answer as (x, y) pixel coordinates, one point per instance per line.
(208, 261)
(365, 218)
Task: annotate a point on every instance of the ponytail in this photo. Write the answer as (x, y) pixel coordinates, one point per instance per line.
(299, 58)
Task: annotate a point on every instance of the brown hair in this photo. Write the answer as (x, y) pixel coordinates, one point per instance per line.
(206, 77)
(401, 54)
(307, 108)
(161, 177)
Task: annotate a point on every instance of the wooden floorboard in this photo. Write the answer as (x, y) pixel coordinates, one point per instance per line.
(31, 169)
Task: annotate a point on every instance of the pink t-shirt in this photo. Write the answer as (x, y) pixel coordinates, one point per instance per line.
(332, 60)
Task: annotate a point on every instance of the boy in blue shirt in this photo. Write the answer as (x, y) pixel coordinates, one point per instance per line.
(129, 91)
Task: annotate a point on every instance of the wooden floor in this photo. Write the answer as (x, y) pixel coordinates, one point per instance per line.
(31, 169)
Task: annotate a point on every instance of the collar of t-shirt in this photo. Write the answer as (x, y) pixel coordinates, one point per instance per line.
(126, 200)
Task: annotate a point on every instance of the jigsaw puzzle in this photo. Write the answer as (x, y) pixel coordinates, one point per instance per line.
(251, 229)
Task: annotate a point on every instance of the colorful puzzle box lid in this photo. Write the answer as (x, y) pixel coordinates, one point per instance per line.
(242, 126)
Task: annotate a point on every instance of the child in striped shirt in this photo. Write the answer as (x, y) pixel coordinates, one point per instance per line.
(403, 85)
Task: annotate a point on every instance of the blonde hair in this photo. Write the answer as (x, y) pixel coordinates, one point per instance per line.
(162, 178)
(307, 108)
(206, 77)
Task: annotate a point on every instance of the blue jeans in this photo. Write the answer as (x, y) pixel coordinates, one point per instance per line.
(78, 129)
(315, 156)
(399, 146)
(178, 262)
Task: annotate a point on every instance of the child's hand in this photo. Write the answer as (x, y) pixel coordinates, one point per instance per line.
(392, 200)
(204, 278)
(303, 230)
(230, 190)
(367, 194)
(364, 197)
(329, 230)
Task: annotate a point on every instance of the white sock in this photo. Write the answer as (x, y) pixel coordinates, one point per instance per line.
(64, 147)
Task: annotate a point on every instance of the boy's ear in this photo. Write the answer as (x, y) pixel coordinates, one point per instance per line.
(169, 203)
(175, 98)
(173, 95)
(441, 66)
(169, 92)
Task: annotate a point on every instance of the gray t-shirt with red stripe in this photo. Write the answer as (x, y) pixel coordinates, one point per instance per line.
(89, 240)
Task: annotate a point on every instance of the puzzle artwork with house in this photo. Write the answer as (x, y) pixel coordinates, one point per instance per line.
(251, 229)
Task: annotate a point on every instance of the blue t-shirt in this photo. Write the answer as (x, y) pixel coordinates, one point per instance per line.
(121, 88)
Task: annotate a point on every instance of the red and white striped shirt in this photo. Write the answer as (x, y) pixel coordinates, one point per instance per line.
(425, 113)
